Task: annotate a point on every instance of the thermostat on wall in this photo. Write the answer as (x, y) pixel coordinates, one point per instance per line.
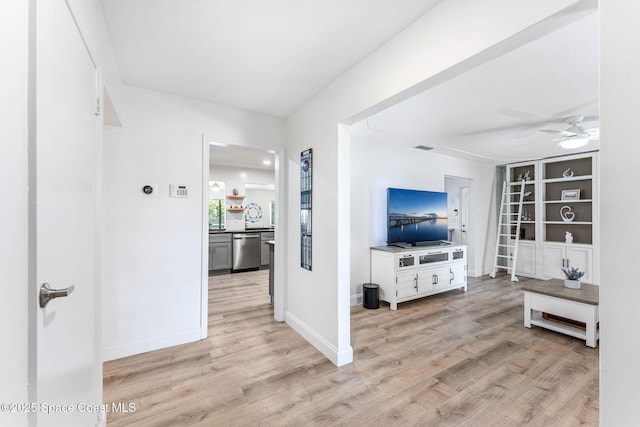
(178, 191)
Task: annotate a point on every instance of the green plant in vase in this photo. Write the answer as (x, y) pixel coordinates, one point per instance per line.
(573, 276)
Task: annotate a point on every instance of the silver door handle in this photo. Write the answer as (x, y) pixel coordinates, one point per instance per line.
(47, 294)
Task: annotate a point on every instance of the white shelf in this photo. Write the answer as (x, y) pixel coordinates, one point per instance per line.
(538, 320)
(569, 201)
(571, 178)
(568, 222)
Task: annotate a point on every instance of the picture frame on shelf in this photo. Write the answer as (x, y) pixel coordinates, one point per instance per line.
(570, 195)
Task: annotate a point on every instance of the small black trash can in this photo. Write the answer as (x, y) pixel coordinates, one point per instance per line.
(370, 294)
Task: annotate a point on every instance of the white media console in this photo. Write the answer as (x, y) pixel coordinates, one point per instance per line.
(404, 274)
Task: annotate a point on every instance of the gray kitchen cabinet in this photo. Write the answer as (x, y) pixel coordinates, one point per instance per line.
(265, 236)
(219, 251)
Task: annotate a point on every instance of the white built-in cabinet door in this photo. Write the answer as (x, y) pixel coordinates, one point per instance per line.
(558, 256)
(406, 284)
(526, 263)
(433, 279)
(581, 258)
(553, 259)
(458, 274)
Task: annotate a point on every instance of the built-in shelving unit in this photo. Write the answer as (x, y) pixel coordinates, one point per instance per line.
(559, 239)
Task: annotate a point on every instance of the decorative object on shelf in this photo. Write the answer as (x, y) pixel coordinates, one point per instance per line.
(306, 168)
(519, 178)
(527, 177)
(568, 237)
(253, 213)
(567, 214)
(570, 195)
(568, 173)
(573, 276)
(234, 191)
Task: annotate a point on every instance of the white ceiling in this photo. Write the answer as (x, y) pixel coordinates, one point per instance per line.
(241, 157)
(272, 56)
(268, 56)
(495, 112)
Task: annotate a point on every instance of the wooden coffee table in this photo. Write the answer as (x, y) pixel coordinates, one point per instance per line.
(574, 312)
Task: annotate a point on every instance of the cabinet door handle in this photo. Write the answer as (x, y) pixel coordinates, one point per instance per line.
(567, 262)
(452, 276)
(562, 262)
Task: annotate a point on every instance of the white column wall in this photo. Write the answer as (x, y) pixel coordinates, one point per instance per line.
(619, 287)
(152, 291)
(14, 34)
(452, 37)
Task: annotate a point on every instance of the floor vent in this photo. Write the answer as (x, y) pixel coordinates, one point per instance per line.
(423, 147)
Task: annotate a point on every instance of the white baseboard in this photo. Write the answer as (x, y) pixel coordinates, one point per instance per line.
(356, 299)
(129, 349)
(338, 357)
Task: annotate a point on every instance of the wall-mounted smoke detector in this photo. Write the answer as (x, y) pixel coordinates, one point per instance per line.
(423, 147)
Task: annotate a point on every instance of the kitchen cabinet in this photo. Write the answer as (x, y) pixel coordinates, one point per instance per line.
(219, 251)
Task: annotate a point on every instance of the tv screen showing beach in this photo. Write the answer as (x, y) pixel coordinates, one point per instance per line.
(416, 216)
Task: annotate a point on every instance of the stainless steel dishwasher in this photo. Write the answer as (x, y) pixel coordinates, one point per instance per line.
(246, 251)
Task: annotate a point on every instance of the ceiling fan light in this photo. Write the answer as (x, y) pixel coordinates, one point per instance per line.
(574, 143)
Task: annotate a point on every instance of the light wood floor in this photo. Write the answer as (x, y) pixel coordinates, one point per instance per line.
(454, 359)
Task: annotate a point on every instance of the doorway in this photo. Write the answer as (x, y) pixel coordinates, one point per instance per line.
(241, 199)
(457, 190)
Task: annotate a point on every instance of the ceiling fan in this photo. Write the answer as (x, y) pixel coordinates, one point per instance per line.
(575, 135)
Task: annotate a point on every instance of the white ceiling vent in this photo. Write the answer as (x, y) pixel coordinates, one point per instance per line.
(423, 147)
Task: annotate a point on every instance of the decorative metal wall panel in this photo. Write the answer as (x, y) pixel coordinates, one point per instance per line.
(306, 174)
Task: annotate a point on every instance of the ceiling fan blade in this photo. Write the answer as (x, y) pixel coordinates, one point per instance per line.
(550, 131)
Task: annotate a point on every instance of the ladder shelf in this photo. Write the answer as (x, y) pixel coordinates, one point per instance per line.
(508, 234)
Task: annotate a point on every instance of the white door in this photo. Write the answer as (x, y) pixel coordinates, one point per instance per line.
(68, 370)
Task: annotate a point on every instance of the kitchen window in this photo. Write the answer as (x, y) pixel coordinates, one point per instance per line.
(217, 209)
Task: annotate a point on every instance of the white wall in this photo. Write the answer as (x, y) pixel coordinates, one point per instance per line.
(261, 198)
(90, 19)
(236, 177)
(619, 287)
(454, 36)
(152, 296)
(375, 166)
(13, 210)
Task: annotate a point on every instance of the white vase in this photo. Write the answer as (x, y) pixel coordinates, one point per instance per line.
(572, 284)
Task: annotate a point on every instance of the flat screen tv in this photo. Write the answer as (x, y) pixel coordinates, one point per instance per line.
(416, 217)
